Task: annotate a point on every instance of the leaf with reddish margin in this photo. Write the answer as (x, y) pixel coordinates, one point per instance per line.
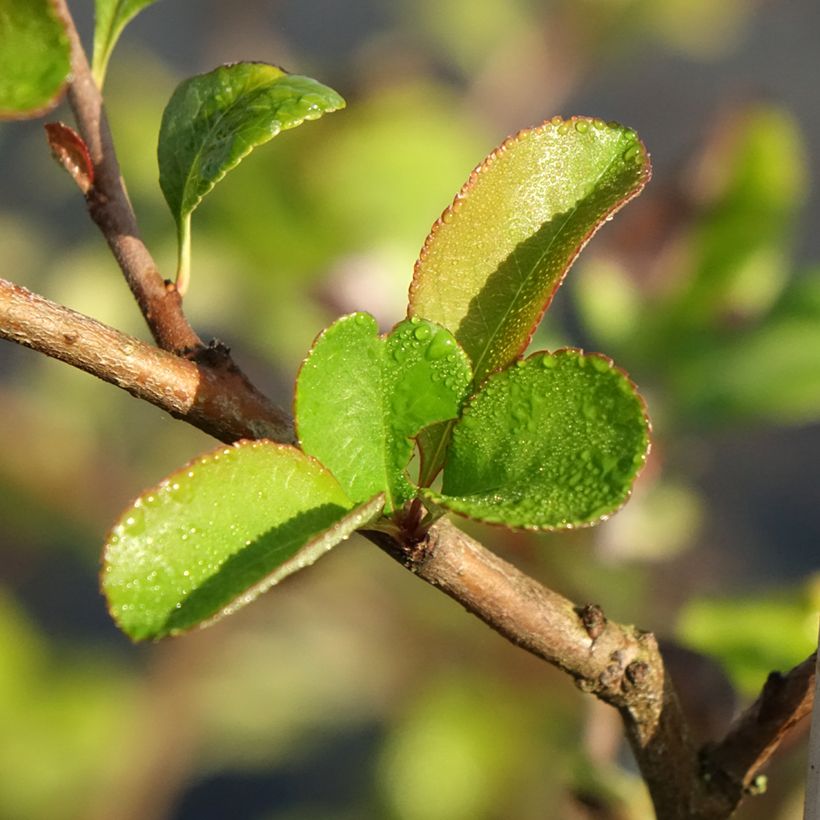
(554, 442)
(495, 258)
(71, 152)
(216, 534)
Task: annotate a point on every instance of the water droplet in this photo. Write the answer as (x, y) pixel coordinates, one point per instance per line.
(422, 332)
(440, 346)
(598, 125)
(447, 217)
(135, 523)
(631, 153)
(549, 362)
(581, 126)
(361, 318)
(557, 120)
(399, 354)
(600, 364)
(563, 129)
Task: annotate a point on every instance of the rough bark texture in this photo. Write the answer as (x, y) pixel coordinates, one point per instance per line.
(216, 398)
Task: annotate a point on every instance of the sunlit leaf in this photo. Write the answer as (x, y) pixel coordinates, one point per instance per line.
(214, 120)
(495, 258)
(360, 398)
(35, 58)
(111, 17)
(216, 534)
(554, 442)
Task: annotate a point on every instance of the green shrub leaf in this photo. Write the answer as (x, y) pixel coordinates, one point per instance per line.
(35, 58)
(214, 120)
(492, 263)
(110, 18)
(361, 398)
(213, 536)
(554, 442)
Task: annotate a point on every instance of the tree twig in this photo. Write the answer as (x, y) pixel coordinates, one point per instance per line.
(111, 210)
(756, 734)
(218, 398)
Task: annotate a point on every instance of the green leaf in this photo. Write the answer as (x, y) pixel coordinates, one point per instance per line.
(552, 443)
(216, 534)
(35, 58)
(111, 17)
(492, 263)
(361, 398)
(214, 120)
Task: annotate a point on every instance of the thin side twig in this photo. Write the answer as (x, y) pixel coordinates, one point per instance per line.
(733, 763)
(111, 210)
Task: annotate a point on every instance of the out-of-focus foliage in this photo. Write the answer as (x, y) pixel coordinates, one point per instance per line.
(59, 712)
(755, 634)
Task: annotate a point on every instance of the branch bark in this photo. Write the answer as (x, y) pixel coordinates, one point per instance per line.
(218, 398)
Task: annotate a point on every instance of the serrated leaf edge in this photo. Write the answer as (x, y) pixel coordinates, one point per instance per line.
(440, 500)
(486, 163)
(198, 461)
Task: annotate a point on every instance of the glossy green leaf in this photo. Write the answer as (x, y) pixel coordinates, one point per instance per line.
(492, 263)
(35, 58)
(110, 18)
(554, 442)
(361, 398)
(213, 536)
(214, 120)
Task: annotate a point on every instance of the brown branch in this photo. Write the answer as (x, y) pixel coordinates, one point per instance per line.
(218, 399)
(618, 664)
(733, 764)
(111, 210)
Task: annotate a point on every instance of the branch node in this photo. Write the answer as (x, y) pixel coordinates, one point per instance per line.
(593, 620)
(637, 673)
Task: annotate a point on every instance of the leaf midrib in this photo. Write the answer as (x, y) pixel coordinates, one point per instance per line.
(569, 214)
(194, 163)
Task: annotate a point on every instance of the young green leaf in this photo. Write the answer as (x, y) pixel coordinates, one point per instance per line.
(214, 120)
(35, 58)
(361, 398)
(552, 443)
(493, 261)
(216, 534)
(110, 18)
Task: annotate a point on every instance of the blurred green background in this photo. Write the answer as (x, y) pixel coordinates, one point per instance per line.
(354, 691)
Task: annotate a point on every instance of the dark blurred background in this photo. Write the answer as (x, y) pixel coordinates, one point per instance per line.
(354, 691)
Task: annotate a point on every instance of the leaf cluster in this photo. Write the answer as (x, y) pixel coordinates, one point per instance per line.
(551, 441)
